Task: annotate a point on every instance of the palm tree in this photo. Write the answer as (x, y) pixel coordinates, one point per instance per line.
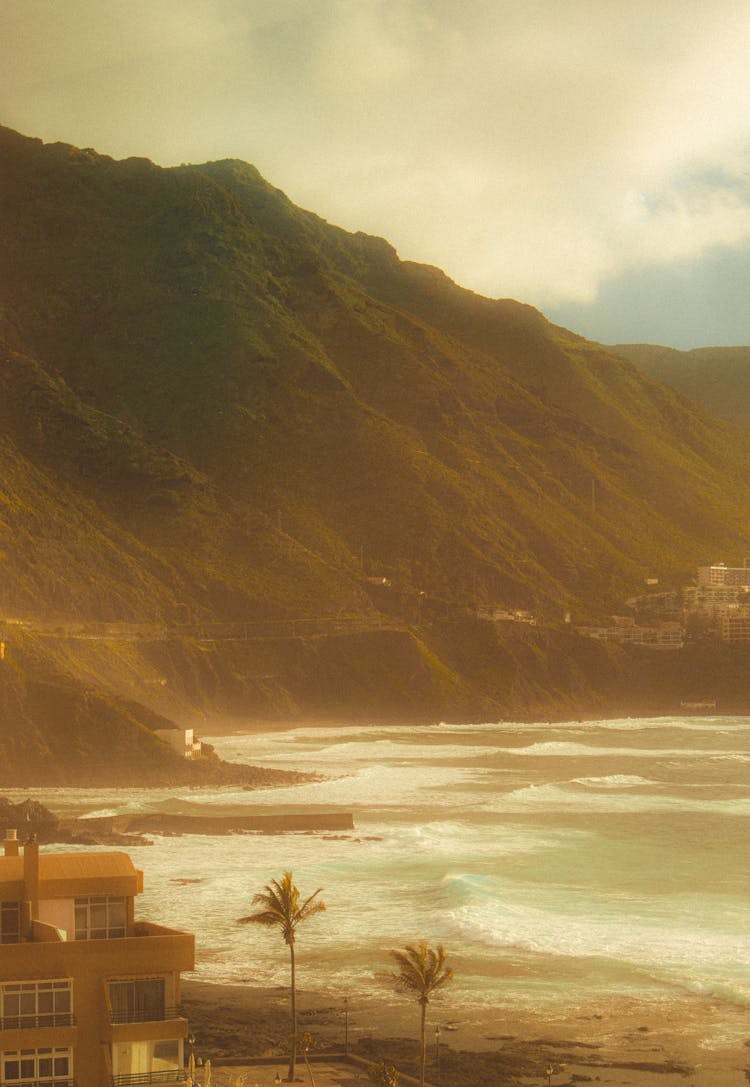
(421, 972)
(280, 907)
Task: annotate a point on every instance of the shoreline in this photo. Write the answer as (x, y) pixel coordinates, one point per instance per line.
(690, 1041)
(224, 772)
(679, 1037)
(224, 726)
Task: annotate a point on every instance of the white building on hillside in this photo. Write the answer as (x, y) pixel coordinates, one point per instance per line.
(182, 740)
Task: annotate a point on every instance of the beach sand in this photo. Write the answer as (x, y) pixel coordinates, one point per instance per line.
(689, 1042)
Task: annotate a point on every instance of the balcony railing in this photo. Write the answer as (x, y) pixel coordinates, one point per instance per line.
(44, 1083)
(32, 1022)
(144, 1015)
(145, 1079)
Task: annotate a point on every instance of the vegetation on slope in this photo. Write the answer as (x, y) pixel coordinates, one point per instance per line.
(371, 409)
(717, 378)
(215, 406)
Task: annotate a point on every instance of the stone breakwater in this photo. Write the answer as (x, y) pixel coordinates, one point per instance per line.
(164, 823)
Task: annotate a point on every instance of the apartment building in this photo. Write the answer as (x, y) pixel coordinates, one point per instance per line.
(626, 632)
(735, 626)
(712, 600)
(88, 995)
(721, 574)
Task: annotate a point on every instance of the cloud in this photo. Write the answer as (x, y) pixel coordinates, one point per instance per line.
(686, 304)
(46, 40)
(531, 150)
(537, 150)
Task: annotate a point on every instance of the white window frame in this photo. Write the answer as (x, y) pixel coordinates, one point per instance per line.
(34, 1071)
(22, 1020)
(109, 930)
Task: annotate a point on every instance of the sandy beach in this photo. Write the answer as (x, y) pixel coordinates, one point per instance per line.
(690, 1042)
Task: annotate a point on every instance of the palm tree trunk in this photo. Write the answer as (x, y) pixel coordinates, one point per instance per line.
(293, 1052)
(423, 1038)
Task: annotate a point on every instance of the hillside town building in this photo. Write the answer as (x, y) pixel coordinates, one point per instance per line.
(721, 574)
(718, 603)
(181, 740)
(711, 599)
(88, 995)
(625, 631)
(735, 626)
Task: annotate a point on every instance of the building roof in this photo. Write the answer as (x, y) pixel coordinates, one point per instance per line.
(56, 865)
(63, 874)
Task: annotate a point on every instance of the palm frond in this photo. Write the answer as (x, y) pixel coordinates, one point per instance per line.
(422, 971)
(310, 908)
(262, 917)
(279, 905)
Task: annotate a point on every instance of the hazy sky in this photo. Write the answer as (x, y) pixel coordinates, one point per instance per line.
(588, 156)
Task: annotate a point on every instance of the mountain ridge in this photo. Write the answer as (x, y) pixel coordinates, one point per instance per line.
(717, 378)
(219, 407)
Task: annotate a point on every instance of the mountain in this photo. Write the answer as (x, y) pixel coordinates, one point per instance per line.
(217, 408)
(717, 378)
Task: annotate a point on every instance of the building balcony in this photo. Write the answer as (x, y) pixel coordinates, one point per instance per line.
(29, 1032)
(47, 1083)
(145, 1079)
(147, 947)
(153, 1023)
(144, 1015)
(36, 1022)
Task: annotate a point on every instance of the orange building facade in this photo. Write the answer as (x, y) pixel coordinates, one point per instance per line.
(88, 995)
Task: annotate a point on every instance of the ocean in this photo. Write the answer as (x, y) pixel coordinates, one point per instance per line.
(561, 865)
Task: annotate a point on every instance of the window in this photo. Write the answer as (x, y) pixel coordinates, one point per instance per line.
(10, 922)
(167, 1056)
(100, 918)
(138, 1001)
(38, 1066)
(36, 1004)
(136, 1063)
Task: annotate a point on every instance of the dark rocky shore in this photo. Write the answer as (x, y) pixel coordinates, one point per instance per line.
(640, 1047)
(31, 817)
(277, 823)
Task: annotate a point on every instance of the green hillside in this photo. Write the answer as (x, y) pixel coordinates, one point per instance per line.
(217, 407)
(717, 378)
